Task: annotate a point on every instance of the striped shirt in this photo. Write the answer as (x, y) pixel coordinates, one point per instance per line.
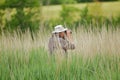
(56, 43)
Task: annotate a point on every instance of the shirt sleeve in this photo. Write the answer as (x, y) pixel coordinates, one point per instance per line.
(66, 44)
(51, 46)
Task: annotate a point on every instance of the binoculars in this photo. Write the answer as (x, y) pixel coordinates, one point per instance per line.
(68, 30)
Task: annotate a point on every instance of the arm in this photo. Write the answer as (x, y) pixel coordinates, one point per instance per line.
(66, 44)
(70, 44)
(51, 46)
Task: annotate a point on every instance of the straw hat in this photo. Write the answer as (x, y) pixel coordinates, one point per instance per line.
(59, 28)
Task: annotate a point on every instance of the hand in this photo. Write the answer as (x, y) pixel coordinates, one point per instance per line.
(68, 33)
(69, 36)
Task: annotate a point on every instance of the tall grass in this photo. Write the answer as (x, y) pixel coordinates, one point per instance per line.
(96, 57)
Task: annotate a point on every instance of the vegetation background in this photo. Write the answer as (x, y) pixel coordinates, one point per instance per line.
(28, 14)
(25, 27)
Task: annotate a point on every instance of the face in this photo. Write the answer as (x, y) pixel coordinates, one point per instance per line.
(61, 34)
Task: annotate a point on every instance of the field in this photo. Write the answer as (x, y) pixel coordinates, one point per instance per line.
(107, 9)
(96, 57)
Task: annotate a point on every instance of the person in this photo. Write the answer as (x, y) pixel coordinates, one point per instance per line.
(61, 39)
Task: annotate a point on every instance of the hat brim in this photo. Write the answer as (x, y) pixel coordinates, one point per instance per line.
(60, 31)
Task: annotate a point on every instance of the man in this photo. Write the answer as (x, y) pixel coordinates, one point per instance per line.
(61, 39)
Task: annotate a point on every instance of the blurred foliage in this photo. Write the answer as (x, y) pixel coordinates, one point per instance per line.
(2, 2)
(6, 16)
(69, 14)
(20, 3)
(51, 2)
(96, 9)
(72, 16)
(97, 21)
(48, 2)
(85, 18)
(32, 3)
(20, 20)
(94, 0)
(24, 20)
(26, 15)
(49, 24)
(108, 0)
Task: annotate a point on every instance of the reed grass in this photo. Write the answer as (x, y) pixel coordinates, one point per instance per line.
(96, 57)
